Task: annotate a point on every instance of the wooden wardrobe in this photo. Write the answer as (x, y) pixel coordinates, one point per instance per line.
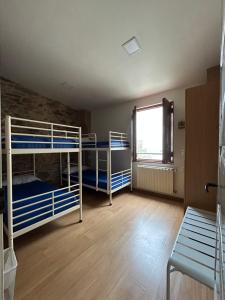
(201, 141)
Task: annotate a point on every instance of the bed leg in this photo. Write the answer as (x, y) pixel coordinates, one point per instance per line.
(110, 199)
(168, 282)
(81, 216)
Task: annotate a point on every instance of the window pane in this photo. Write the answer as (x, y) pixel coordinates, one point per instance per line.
(150, 133)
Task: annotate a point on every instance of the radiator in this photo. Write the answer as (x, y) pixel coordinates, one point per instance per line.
(155, 179)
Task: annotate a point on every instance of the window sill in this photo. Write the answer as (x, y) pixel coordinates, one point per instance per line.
(148, 161)
(152, 163)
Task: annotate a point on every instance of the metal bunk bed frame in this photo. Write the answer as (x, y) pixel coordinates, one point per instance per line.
(51, 131)
(92, 145)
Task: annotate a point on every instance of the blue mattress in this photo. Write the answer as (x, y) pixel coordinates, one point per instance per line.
(42, 212)
(44, 142)
(105, 144)
(89, 178)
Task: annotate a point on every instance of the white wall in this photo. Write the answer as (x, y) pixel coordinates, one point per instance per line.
(118, 118)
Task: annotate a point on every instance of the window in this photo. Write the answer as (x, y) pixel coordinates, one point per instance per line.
(153, 132)
(149, 128)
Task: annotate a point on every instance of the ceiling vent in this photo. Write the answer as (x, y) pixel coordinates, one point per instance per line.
(132, 46)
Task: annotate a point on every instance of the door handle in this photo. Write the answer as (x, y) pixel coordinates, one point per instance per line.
(210, 184)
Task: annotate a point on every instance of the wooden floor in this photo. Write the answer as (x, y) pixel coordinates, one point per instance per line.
(117, 253)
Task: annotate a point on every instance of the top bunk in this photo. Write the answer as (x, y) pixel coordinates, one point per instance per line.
(25, 136)
(116, 141)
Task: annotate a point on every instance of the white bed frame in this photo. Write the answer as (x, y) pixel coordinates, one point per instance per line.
(22, 127)
(91, 140)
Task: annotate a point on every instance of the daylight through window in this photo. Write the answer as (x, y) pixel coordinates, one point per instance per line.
(149, 132)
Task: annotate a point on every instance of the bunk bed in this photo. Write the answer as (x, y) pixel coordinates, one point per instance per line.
(100, 178)
(29, 201)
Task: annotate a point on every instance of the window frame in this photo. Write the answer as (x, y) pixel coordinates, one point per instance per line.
(138, 109)
(134, 134)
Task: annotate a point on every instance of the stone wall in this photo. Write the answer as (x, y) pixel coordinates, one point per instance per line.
(18, 101)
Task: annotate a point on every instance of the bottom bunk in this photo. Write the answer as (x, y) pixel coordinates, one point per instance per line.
(119, 180)
(36, 202)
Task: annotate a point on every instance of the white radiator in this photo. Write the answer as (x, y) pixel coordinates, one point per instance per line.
(155, 179)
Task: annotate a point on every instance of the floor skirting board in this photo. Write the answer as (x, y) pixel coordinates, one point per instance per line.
(158, 195)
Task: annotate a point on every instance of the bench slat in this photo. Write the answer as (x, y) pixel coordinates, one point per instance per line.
(200, 219)
(203, 259)
(208, 250)
(193, 269)
(201, 225)
(200, 230)
(198, 237)
(200, 212)
(209, 217)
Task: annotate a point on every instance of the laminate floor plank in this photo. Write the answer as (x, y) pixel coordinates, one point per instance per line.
(117, 253)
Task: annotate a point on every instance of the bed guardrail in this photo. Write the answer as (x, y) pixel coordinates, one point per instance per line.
(118, 137)
(66, 193)
(120, 179)
(89, 140)
(45, 133)
(115, 140)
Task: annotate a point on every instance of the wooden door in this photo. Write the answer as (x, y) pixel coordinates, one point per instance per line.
(201, 141)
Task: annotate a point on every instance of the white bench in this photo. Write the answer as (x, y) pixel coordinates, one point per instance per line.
(194, 252)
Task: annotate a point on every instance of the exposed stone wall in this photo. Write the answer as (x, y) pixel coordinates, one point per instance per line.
(18, 101)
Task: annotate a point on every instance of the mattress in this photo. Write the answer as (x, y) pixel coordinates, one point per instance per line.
(22, 210)
(31, 142)
(89, 178)
(105, 144)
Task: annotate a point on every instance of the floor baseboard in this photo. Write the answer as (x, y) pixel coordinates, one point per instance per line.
(159, 195)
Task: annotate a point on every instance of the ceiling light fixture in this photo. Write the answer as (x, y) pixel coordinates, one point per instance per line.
(131, 46)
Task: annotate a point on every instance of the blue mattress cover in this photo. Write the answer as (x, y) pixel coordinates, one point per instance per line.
(31, 189)
(29, 139)
(89, 177)
(105, 144)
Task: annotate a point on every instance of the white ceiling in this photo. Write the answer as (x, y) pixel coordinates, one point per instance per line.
(71, 50)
